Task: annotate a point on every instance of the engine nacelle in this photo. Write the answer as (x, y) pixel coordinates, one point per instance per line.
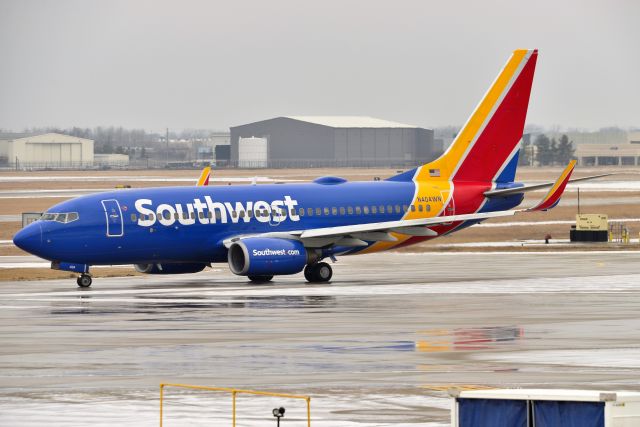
(265, 256)
(169, 268)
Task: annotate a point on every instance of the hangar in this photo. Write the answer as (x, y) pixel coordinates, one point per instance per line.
(49, 150)
(331, 141)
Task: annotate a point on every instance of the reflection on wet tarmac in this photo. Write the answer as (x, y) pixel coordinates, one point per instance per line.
(468, 339)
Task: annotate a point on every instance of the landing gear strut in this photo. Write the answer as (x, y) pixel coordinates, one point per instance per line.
(84, 280)
(317, 273)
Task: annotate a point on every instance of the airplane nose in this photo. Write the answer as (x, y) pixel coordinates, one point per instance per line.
(29, 239)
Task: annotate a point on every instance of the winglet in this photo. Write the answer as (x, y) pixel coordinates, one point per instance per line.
(553, 196)
(204, 177)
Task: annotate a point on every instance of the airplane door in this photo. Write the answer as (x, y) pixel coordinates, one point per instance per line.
(113, 215)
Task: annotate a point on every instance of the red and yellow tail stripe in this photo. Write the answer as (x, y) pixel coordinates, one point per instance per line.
(553, 196)
(493, 130)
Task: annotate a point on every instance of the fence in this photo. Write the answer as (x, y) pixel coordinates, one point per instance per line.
(234, 392)
(199, 164)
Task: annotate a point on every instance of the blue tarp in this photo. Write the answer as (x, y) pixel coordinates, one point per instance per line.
(568, 414)
(492, 413)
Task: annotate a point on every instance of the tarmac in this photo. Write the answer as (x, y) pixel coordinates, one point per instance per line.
(377, 346)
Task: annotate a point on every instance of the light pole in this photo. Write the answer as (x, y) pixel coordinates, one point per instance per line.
(278, 413)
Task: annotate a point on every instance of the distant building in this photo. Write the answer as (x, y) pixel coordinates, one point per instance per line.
(111, 160)
(323, 141)
(49, 150)
(608, 155)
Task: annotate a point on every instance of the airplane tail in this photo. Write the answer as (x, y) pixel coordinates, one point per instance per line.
(486, 148)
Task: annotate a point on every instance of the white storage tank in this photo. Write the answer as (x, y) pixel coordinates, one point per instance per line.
(544, 408)
(252, 152)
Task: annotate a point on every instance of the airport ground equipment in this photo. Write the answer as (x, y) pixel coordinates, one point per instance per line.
(234, 393)
(590, 228)
(619, 232)
(544, 408)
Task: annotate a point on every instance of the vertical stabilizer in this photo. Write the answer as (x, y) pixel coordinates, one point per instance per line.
(486, 148)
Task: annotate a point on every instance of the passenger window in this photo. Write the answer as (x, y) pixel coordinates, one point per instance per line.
(326, 211)
(334, 211)
(301, 212)
(250, 213)
(151, 217)
(318, 211)
(374, 209)
(419, 208)
(293, 212)
(389, 209)
(397, 208)
(218, 215)
(342, 211)
(350, 210)
(413, 208)
(234, 214)
(193, 215)
(209, 214)
(310, 211)
(358, 210)
(133, 218)
(201, 215)
(381, 208)
(366, 210)
(176, 216)
(242, 214)
(405, 208)
(428, 208)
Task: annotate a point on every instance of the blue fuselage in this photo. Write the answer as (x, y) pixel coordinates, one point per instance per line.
(190, 224)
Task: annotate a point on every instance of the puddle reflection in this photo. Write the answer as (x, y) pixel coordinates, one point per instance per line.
(468, 339)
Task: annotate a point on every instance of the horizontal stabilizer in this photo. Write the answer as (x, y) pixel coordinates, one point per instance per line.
(553, 196)
(503, 192)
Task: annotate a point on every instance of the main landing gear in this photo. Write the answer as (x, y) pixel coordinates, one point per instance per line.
(84, 280)
(318, 273)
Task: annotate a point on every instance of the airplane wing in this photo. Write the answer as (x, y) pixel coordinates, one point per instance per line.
(358, 234)
(204, 177)
(553, 196)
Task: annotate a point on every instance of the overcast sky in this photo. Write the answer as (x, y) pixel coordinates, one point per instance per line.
(208, 64)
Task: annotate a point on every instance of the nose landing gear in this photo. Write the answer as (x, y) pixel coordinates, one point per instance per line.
(84, 281)
(318, 273)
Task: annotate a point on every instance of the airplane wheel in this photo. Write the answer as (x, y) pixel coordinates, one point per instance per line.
(309, 273)
(317, 273)
(323, 272)
(84, 281)
(260, 279)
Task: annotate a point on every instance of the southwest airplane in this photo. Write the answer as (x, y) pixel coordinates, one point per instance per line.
(266, 230)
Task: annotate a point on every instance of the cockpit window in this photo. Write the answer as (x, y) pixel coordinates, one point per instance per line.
(63, 218)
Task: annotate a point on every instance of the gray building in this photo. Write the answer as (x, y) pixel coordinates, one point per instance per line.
(325, 141)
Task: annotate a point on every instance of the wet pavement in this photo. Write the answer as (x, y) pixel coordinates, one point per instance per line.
(374, 347)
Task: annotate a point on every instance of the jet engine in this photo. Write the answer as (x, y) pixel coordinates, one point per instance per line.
(169, 268)
(265, 256)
